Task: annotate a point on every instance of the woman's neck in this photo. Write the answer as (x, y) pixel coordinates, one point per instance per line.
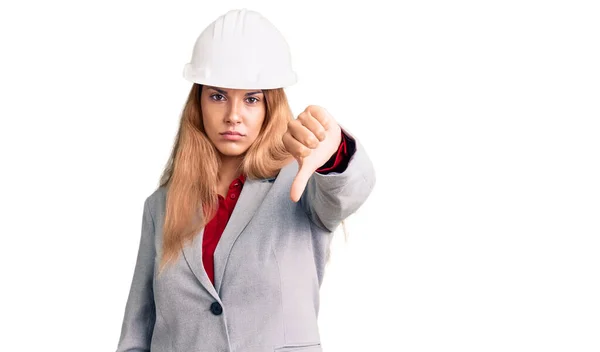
(230, 169)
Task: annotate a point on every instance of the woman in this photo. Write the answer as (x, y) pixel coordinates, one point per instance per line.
(235, 239)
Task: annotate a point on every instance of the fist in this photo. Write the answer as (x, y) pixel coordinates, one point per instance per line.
(313, 138)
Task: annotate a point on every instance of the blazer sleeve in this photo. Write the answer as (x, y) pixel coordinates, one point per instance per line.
(140, 314)
(330, 198)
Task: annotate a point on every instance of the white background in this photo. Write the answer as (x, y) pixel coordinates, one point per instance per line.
(482, 120)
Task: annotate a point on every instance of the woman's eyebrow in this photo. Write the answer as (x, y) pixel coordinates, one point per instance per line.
(218, 90)
(225, 93)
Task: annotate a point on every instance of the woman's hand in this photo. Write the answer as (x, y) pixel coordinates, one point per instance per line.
(313, 138)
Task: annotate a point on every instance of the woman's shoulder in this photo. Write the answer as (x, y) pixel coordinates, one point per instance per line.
(157, 198)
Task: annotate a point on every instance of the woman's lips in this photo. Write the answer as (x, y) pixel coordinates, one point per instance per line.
(232, 135)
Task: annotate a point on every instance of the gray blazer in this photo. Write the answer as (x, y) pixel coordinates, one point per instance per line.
(269, 266)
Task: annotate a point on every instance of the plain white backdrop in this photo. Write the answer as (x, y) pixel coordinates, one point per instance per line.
(482, 120)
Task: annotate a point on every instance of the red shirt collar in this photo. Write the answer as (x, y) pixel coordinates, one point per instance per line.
(239, 181)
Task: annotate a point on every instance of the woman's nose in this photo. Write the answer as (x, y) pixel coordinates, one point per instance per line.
(234, 115)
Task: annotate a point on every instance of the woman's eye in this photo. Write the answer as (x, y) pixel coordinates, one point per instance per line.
(217, 97)
(252, 100)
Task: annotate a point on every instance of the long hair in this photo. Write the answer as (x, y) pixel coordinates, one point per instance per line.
(192, 171)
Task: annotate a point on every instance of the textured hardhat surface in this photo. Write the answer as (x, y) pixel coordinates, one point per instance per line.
(241, 49)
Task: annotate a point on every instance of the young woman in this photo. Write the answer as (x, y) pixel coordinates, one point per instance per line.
(235, 239)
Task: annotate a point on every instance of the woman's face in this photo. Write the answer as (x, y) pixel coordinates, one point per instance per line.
(232, 118)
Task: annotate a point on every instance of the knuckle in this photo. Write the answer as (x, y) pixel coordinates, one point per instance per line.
(305, 152)
(321, 134)
(312, 142)
(301, 151)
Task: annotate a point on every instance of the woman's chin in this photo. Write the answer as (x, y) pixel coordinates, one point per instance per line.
(232, 152)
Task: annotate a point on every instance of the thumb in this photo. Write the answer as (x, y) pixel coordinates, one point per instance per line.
(300, 181)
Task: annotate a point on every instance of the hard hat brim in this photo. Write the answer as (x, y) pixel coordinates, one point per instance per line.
(204, 77)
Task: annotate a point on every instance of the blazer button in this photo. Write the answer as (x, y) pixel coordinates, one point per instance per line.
(216, 308)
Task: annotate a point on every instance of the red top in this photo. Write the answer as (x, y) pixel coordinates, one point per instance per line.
(214, 229)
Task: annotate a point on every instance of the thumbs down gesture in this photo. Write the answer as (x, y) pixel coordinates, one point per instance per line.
(313, 138)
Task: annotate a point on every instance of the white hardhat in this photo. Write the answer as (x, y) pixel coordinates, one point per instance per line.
(241, 49)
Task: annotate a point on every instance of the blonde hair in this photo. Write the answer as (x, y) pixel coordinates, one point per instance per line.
(191, 173)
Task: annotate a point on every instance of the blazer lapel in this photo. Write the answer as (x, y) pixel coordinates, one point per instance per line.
(252, 195)
(193, 255)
